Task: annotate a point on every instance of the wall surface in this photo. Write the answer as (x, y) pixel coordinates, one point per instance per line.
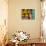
(15, 21)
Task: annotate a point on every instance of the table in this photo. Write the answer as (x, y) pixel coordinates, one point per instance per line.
(32, 42)
(10, 44)
(35, 42)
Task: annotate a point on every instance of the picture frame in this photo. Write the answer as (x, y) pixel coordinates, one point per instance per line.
(28, 14)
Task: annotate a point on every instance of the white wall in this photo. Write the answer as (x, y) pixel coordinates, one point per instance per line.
(15, 21)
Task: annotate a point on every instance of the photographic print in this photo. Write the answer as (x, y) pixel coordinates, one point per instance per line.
(28, 14)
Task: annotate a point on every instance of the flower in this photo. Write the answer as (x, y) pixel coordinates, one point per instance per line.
(22, 36)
